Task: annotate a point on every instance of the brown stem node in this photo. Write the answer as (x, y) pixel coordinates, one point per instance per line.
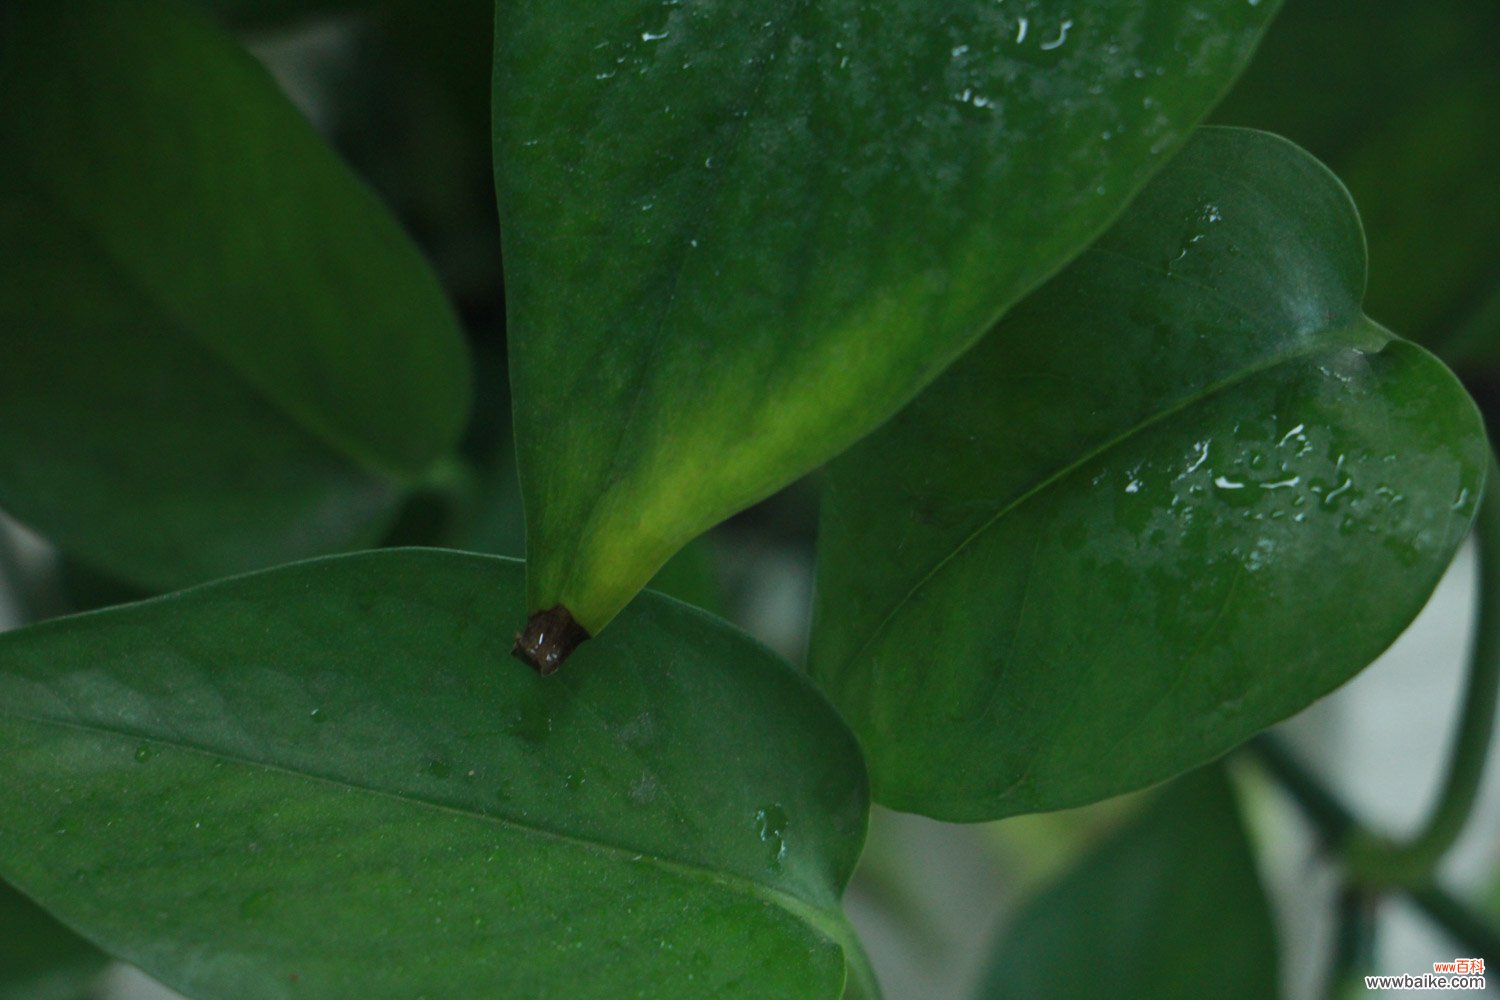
(548, 639)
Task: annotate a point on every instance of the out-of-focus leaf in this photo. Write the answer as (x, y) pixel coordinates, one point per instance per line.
(41, 959)
(1401, 101)
(220, 351)
(1169, 908)
(412, 115)
(330, 780)
(1181, 492)
(692, 575)
(737, 240)
(263, 14)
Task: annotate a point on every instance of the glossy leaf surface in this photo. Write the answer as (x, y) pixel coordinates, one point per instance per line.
(39, 958)
(1169, 908)
(220, 351)
(735, 241)
(1181, 492)
(330, 780)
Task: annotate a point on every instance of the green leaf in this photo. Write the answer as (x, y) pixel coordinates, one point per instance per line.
(692, 575)
(736, 240)
(1412, 132)
(330, 780)
(483, 513)
(220, 351)
(278, 14)
(1181, 492)
(413, 115)
(1169, 908)
(39, 958)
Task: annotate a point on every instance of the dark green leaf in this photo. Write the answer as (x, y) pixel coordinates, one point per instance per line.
(414, 117)
(692, 575)
(220, 352)
(331, 780)
(1177, 495)
(1403, 107)
(1169, 908)
(737, 239)
(271, 14)
(39, 958)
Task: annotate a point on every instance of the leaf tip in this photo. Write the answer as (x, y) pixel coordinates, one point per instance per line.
(548, 639)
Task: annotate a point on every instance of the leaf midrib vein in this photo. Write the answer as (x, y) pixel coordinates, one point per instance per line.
(1310, 346)
(820, 919)
(708, 208)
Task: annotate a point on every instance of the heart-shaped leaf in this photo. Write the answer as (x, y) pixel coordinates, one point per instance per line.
(219, 351)
(1178, 494)
(1169, 908)
(330, 780)
(737, 239)
(39, 958)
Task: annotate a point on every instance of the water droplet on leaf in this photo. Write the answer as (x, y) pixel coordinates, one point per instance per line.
(771, 825)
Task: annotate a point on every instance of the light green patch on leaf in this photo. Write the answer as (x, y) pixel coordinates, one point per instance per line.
(737, 240)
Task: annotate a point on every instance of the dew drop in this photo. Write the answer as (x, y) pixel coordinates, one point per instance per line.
(144, 752)
(1331, 498)
(1200, 455)
(1062, 37)
(771, 825)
